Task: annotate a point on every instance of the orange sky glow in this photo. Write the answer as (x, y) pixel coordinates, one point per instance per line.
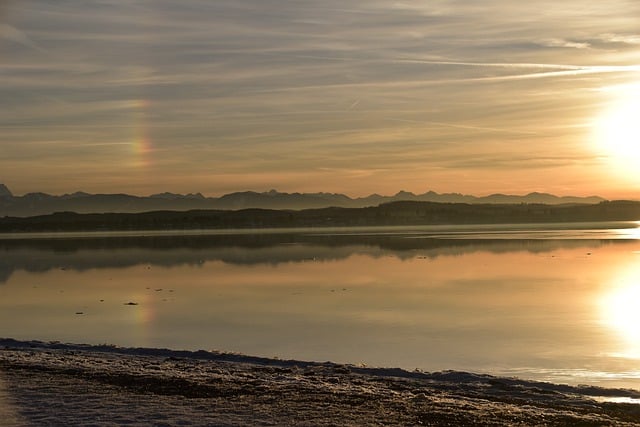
(349, 96)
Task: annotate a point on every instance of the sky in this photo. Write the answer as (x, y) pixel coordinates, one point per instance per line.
(348, 96)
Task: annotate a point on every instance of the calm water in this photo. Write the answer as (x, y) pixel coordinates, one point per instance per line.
(547, 303)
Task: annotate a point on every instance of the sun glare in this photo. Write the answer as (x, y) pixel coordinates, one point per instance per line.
(620, 311)
(617, 131)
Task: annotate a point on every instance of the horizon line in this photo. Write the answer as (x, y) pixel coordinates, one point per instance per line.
(276, 191)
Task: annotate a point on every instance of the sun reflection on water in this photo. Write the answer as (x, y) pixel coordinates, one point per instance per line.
(621, 312)
(630, 232)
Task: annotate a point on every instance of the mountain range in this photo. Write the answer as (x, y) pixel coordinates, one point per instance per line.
(32, 204)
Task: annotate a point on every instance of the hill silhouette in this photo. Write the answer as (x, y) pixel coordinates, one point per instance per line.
(33, 204)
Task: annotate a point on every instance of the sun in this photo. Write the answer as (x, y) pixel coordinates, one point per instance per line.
(617, 131)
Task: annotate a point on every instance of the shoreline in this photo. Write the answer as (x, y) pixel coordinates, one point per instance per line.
(57, 384)
(399, 213)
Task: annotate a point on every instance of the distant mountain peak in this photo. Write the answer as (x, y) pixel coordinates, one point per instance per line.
(40, 203)
(80, 194)
(174, 196)
(4, 191)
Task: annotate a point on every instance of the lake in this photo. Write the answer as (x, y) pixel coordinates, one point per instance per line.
(554, 302)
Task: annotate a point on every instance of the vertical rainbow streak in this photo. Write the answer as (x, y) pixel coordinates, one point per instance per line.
(142, 144)
(146, 320)
(143, 320)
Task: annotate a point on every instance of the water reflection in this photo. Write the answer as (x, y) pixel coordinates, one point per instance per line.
(620, 308)
(632, 231)
(81, 253)
(8, 411)
(516, 305)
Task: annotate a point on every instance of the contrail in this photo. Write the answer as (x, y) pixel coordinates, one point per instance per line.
(494, 64)
(461, 126)
(562, 69)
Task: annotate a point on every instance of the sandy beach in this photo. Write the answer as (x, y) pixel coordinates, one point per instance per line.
(64, 384)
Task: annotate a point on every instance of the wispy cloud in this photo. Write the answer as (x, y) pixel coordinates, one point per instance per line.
(254, 87)
(14, 35)
(632, 39)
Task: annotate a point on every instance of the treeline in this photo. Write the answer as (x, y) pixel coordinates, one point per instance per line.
(396, 213)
